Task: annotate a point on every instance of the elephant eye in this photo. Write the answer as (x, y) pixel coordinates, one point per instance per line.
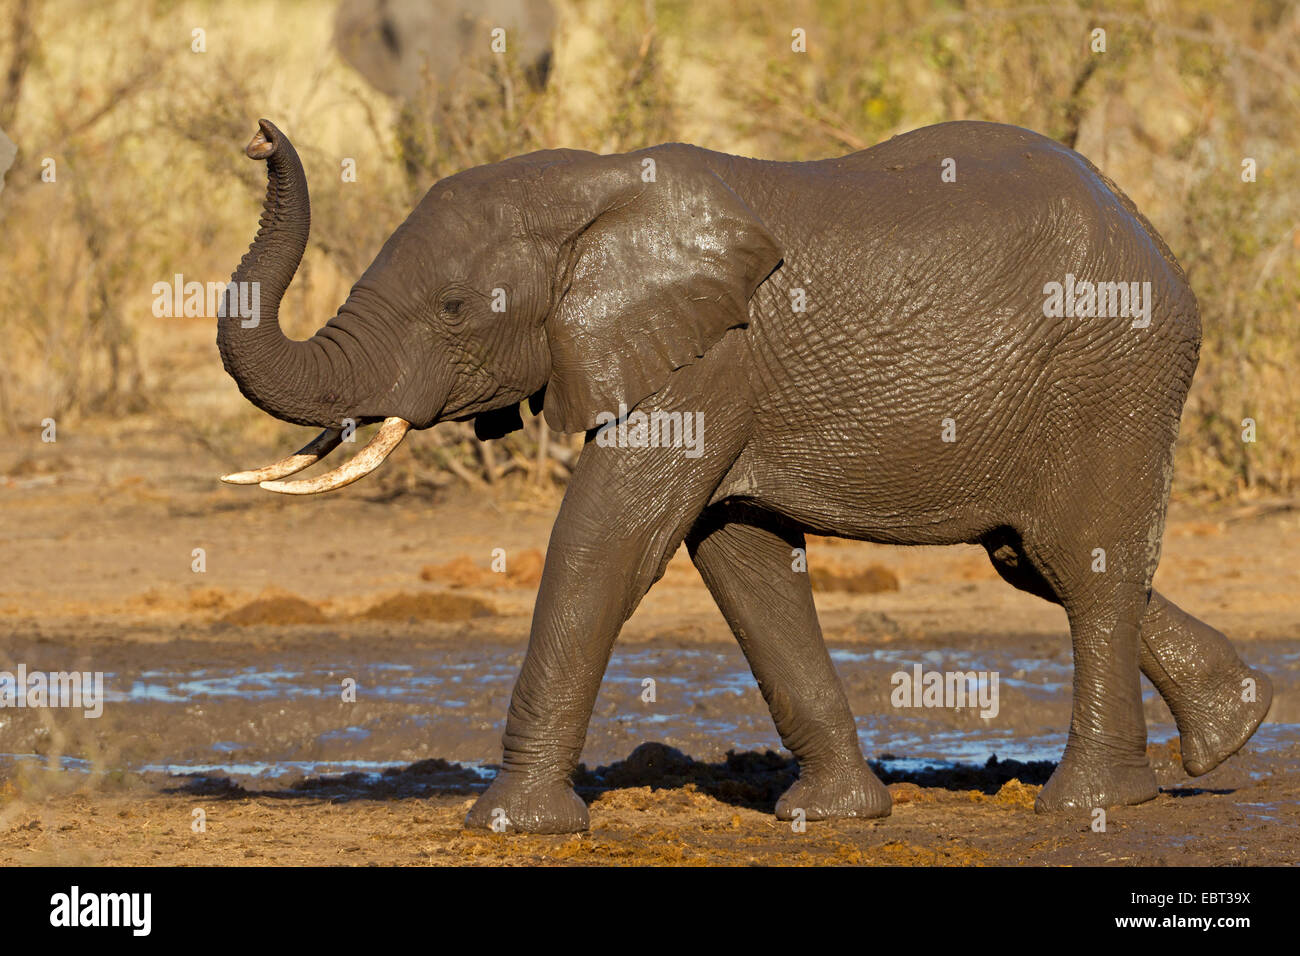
(452, 306)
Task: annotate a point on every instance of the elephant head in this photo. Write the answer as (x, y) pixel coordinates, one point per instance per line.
(400, 45)
(577, 281)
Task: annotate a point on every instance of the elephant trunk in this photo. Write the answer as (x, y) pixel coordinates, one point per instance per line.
(307, 383)
(348, 373)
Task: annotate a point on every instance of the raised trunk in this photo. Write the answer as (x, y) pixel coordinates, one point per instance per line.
(308, 383)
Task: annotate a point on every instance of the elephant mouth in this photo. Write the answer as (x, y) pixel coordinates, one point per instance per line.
(389, 436)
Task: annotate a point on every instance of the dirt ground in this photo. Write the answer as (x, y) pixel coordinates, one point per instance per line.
(227, 739)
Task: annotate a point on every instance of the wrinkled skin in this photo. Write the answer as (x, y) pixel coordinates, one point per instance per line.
(923, 301)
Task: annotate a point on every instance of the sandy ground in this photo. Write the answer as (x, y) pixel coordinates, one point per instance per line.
(226, 738)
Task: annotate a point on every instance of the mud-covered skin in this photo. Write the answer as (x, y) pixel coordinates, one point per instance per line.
(1217, 701)
(828, 321)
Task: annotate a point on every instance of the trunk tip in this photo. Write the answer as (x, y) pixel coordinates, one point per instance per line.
(264, 142)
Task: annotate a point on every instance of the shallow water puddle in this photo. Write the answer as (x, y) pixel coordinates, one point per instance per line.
(705, 702)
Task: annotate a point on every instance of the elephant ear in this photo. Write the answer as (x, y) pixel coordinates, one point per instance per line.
(651, 281)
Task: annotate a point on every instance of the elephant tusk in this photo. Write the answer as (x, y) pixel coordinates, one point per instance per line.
(304, 457)
(389, 436)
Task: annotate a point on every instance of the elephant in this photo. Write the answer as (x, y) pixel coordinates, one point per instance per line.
(880, 349)
(396, 44)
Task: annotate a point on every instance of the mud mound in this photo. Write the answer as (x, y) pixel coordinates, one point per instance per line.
(869, 580)
(911, 793)
(747, 779)
(523, 570)
(461, 571)
(421, 779)
(436, 606)
(1017, 795)
(756, 780)
(275, 611)
(208, 785)
(645, 799)
(208, 599)
(989, 779)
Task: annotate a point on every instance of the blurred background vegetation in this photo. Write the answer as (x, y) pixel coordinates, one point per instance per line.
(147, 137)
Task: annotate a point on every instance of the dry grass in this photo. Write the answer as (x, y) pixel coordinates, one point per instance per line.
(151, 181)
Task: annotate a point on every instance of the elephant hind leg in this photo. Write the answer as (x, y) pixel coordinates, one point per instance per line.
(1105, 761)
(1216, 700)
(747, 559)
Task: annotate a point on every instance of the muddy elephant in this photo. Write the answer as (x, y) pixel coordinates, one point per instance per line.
(924, 342)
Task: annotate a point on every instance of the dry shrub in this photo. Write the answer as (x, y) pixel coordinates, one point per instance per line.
(147, 137)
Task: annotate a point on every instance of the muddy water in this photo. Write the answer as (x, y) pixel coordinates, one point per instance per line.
(200, 714)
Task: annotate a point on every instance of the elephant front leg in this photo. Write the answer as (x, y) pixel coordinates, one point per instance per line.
(587, 590)
(625, 513)
(747, 561)
(596, 572)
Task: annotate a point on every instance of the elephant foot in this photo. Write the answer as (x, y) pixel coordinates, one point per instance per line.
(1083, 783)
(835, 793)
(1214, 726)
(515, 804)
